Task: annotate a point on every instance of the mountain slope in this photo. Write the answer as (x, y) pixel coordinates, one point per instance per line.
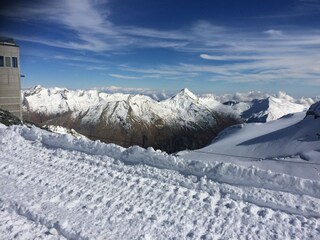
(177, 123)
(184, 121)
(269, 109)
(290, 145)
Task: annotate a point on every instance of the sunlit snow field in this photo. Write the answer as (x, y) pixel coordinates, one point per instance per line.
(253, 181)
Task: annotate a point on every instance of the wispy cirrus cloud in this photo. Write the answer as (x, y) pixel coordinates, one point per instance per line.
(122, 76)
(274, 33)
(226, 53)
(233, 57)
(88, 22)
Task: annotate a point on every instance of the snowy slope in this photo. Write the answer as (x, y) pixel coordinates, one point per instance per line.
(180, 109)
(269, 109)
(248, 97)
(262, 107)
(289, 145)
(184, 121)
(58, 187)
(180, 122)
(117, 107)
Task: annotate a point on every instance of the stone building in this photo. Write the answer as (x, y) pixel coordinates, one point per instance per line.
(10, 84)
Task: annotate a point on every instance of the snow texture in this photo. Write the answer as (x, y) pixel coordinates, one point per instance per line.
(290, 145)
(57, 186)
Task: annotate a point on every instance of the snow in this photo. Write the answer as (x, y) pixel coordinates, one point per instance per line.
(114, 107)
(290, 145)
(247, 97)
(181, 109)
(63, 130)
(271, 108)
(57, 186)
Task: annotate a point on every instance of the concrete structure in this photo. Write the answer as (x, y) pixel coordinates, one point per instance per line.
(10, 84)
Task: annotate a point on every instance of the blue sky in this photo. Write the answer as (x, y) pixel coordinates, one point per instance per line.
(207, 46)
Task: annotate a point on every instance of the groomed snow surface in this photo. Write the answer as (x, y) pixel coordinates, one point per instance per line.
(56, 186)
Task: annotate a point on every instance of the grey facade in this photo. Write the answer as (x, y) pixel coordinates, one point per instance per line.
(10, 84)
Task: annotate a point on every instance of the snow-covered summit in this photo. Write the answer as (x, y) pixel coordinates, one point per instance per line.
(128, 118)
(187, 94)
(271, 108)
(255, 106)
(59, 101)
(185, 101)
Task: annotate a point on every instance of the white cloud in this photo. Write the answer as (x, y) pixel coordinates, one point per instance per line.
(274, 33)
(244, 55)
(122, 76)
(75, 58)
(92, 30)
(164, 72)
(233, 57)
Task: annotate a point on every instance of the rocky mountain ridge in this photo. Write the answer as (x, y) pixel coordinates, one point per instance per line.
(184, 121)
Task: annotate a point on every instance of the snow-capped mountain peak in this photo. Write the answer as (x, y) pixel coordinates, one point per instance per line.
(270, 108)
(184, 99)
(187, 93)
(125, 116)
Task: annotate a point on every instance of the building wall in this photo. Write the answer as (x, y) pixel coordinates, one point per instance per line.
(10, 85)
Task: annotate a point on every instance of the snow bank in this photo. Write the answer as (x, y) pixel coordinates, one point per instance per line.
(67, 141)
(217, 171)
(223, 172)
(62, 187)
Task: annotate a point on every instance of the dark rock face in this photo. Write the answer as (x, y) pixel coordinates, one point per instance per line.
(314, 110)
(8, 119)
(158, 134)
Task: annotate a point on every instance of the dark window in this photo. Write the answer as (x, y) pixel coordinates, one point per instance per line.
(1, 61)
(14, 62)
(8, 61)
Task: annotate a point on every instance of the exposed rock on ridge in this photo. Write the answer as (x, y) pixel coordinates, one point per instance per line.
(180, 122)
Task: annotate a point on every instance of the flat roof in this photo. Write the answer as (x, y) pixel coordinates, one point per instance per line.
(8, 41)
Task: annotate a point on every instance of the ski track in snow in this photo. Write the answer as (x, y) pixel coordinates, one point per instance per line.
(47, 192)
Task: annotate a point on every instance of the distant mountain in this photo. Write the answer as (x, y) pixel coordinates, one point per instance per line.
(180, 122)
(269, 109)
(248, 97)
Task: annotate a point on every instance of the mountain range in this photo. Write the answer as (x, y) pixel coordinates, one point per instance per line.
(184, 121)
